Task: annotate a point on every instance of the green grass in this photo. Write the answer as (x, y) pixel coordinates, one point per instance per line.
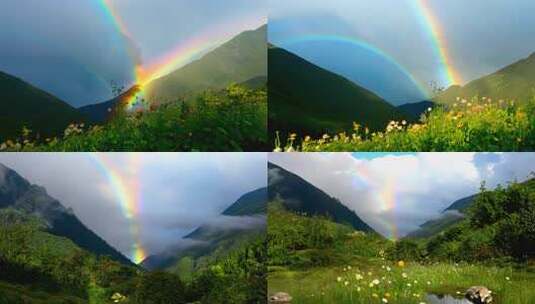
(328, 284)
(476, 125)
(231, 120)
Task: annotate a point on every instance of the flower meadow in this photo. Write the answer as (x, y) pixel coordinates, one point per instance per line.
(479, 124)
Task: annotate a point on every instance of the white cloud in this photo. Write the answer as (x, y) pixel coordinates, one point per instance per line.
(396, 193)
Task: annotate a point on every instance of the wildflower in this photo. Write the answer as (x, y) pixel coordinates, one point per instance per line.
(358, 277)
(507, 278)
(428, 283)
(346, 283)
(384, 300)
(369, 273)
(376, 282)
(409, 284)
(371, 284)
(375, 295)
(388, 268)
(277, 150)
(404, 275)
(339, 279)
(358, 289)
(401, 263)
(349, 267)
(404, 122)
(429, 109)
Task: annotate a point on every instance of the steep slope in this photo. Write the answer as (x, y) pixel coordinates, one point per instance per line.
(241, 222)
(239, 60)
(300, 196)
(514, 82)
(309, 100)
(104, 111)
(449, 217)
(22, 104)
(18, 194)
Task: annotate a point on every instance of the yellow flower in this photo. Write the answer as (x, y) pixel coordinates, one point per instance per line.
(401, 263)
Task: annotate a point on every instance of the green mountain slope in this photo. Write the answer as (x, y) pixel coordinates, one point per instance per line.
(309, 100)
(240, 60)
(245, 223)
(22, 104)
(300, 196)
(514, 82)
(18, 194)
(105, 111)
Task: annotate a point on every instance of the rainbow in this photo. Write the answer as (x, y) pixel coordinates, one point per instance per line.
(361, 44)
(181, 55)
(431, 23)
(126, 188)
(384, 196)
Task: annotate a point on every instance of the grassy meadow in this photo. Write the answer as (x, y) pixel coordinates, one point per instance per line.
(479, 124)
(316, 260)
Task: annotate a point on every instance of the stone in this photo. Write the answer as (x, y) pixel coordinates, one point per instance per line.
(280, 298)
(479, 295)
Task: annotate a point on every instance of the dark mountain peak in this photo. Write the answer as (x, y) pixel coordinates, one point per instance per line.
(16, 193)
(298, 195)
(251, 203)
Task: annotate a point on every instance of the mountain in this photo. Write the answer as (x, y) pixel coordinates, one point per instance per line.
(298, 195)
(449, 217)
(104, 111)
(416, 109)
(239, 224)
(18, 194)
(23, 105)
(514, 82)
(309, 100)
(240, 60)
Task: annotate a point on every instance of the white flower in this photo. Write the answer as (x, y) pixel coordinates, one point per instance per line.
(385, 300)
(375, 282)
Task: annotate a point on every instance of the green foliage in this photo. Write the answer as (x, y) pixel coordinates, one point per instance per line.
(499, 226)
(300, 241)
(232, 120)
(478, 125)
(159, 288)
(405, 250)
(240, 277)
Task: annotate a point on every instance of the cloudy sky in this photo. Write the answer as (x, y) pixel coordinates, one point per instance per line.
(175, 192)
(73, 49)
(395, 193)
(481, 36)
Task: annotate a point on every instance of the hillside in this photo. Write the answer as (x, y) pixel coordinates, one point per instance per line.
(243, 59)
(104, 111)
(246, 218)
(18, 194)
(309, 100)
(415, 110)
(23, 105)
(300, 196)
(448, 217)
(513, 82)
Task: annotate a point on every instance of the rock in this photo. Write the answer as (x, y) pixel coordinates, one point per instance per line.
(479, 295)
(280, 298)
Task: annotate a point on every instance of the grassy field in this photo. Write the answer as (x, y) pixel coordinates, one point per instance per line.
(480, 124)
(379, 281)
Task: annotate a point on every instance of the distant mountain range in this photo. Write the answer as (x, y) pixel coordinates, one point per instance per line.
(448, 217)
(19, 195)
(514, 82)
(244, 220)
(310, 100)
(298, 195)
(416, 109)
(243, 59)
(23, 105)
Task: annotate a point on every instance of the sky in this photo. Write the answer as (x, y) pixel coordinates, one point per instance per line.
(386, 44)
(74, 49)
(395, 193)
(174, 192)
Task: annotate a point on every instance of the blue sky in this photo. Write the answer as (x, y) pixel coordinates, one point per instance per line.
(71, 49)
(179, 191)
(482, 35)
(404, 190)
